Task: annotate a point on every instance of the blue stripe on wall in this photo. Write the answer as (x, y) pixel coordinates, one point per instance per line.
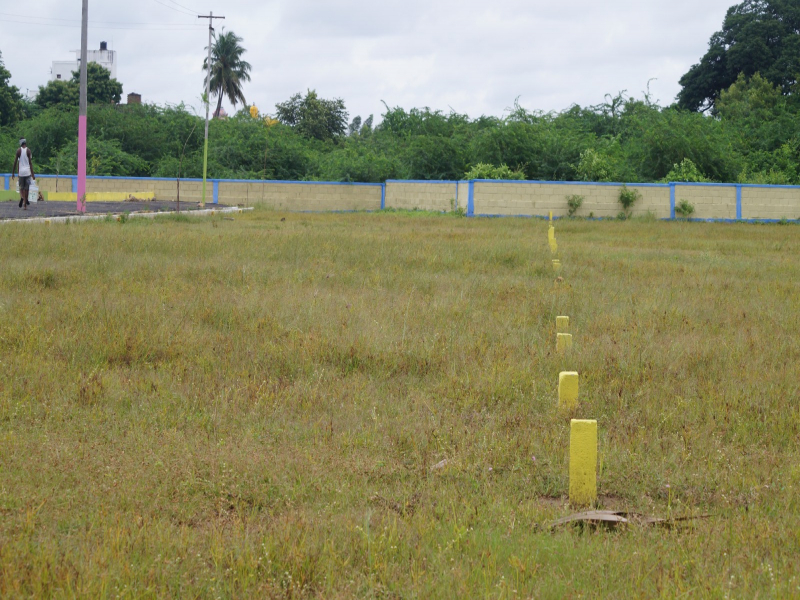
(383, 196)
(471, 199)
(215, 188)
(738, 202)
(671, 200)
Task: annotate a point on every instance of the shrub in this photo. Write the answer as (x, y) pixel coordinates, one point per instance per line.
(685, 170)
(627, 198)
(487, 171)
(574, 202)
(684, 209)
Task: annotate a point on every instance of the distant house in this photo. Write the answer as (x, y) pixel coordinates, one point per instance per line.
(62, 70)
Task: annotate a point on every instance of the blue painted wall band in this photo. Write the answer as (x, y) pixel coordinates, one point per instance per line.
(215, 184)
(75, 185)
(383, 196)
(471, 199)
(671, 200)
(5, 182)
(738, 202)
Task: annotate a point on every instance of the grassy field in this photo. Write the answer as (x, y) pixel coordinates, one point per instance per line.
(251, 408)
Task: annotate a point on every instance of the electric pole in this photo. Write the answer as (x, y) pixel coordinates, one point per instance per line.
(82, 111)
(210, 16)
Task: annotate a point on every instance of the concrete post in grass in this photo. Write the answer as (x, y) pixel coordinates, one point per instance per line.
(553, 247)
(563, 342)
(551, 234)
(568, 389)
(583, 462)
(562, 324)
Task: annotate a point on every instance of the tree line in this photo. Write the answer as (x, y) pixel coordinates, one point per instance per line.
(735, 120)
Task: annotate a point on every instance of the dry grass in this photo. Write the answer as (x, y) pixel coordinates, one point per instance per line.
(251, 408)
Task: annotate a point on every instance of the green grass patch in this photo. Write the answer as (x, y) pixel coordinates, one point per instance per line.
(251, 408)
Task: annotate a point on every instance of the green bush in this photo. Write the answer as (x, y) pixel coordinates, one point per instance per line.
(574, 203)
(627, 198)
(486, 171)
(684, 209)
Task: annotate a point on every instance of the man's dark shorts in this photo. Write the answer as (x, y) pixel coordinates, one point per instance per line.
(25, 182)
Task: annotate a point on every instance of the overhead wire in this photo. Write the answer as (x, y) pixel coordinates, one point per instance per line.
(178, 10)
(182, 6)
(126, 23)
(156, 28)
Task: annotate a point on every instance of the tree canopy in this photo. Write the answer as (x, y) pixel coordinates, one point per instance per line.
(314, 117)
(10, 99)
(228, 70)
(101, 89)
(757, 36)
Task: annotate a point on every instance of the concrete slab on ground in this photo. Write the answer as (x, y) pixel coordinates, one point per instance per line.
(49, 208)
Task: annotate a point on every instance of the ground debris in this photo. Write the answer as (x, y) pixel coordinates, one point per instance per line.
(615, 518)
(440, 465)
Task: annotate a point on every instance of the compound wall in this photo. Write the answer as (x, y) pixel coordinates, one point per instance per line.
(476, 198)
(303, 196)
(422, 195)
(515, 198)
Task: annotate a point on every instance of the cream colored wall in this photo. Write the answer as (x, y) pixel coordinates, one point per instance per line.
(463, 195)
(770, 203)
(302, 197)
(496, 198)
(538, 199)
(709, 201)
(48, 184)
(423, 196)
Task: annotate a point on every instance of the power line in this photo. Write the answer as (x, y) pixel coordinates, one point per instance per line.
(181, 5)
(158, 27)
(192, 25)
(178, 10)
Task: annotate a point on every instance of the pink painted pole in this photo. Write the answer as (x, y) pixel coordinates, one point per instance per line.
(82, 110)
(81, 163)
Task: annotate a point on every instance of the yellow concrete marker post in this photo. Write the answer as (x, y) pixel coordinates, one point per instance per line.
(553, 247)
(568, 389)
(551, 216)
(556, 265)
(583, 462)
(551, 234)
(562, 324)
(563, 342)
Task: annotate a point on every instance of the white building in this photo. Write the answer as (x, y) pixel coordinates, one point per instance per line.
(62, 69)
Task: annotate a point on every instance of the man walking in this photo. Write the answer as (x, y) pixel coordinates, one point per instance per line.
(25, 162)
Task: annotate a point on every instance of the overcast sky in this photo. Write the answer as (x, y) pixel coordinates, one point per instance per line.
(473, 56)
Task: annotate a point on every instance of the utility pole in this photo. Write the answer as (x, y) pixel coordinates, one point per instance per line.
(210, 16)
(82, 112)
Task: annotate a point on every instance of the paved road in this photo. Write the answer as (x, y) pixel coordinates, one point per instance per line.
(11, 210)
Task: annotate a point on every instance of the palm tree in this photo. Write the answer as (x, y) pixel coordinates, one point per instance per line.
(228, 70)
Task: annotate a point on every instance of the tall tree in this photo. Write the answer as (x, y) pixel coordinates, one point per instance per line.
(314, 117)
(101, 88)
(228, 70)
(10, 98)
(758, 36)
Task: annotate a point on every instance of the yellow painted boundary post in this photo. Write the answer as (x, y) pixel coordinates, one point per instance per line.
(563, 342)
(551, 233)
(556, 265)
(583, 462)
(562, 324)
(568, 389)
(553, 247)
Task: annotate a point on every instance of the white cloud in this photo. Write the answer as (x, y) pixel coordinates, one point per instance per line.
(474, 57)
